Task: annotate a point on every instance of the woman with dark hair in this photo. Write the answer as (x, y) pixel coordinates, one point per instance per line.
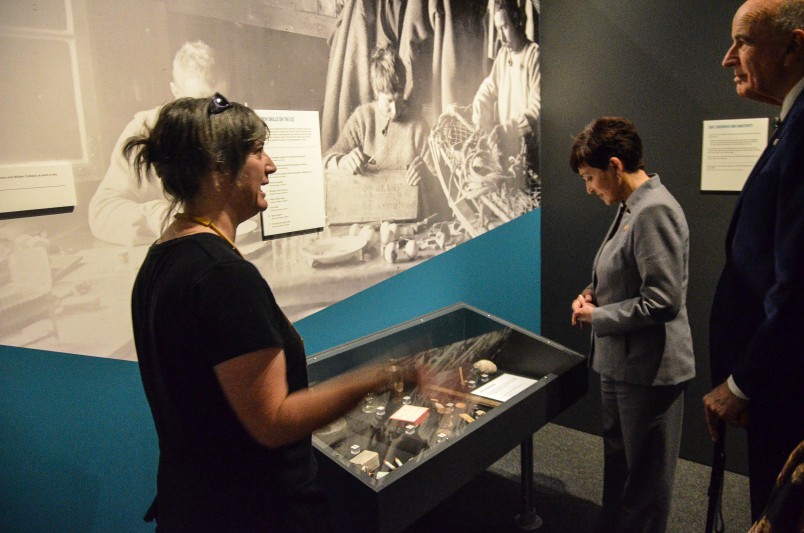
(223, 369)
(641, 342)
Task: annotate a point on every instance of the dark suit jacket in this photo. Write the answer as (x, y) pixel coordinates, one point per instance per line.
(641, 333)
(757, 321)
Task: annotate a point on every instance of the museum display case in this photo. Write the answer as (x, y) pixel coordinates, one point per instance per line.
(398, 454)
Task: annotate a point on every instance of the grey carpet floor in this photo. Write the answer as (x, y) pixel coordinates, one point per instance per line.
(568, 473)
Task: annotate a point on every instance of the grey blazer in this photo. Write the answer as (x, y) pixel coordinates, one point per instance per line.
(640, 330)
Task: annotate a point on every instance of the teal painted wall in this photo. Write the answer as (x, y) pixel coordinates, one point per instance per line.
(77, 445)
(78, 449)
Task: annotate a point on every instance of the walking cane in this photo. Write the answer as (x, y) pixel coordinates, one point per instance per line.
(714, 513)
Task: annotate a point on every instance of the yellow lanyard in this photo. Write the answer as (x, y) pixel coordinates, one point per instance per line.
(208, 223)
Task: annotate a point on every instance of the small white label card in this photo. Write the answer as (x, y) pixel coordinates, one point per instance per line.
(504, 387)
(411, 414)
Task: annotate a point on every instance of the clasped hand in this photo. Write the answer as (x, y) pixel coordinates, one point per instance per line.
(582, 308)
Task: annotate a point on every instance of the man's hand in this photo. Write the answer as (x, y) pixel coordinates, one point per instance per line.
(721, 403)
(417, 171)
(523, 125)
(354, 161)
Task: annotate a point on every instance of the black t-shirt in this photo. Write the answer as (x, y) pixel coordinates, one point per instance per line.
(197, 303)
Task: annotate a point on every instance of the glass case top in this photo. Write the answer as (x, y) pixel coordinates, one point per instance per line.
(477, 364)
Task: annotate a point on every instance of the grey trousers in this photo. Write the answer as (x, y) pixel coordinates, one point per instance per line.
(641, 441)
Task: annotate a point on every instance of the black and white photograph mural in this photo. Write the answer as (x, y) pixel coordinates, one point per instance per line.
(427, 135)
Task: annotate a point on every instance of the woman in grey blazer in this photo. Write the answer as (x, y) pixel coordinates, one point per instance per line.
(641, 344)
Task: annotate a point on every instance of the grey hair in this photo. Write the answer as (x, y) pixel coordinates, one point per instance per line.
(789, 17)
(195, 58)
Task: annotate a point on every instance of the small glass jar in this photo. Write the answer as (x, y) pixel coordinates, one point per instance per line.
(410, 429)
(354, 449)
(368, 403)
(484, 378)
(406, 400)
(471, 384)
(441, 437)
(380, 410)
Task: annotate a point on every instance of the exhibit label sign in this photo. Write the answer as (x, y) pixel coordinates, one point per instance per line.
(730, 150)
(296, 190)
(36, 187)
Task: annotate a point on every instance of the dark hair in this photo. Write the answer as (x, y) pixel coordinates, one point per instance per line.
(605, 138)
(387, 71)
(188, 143)
(515, 12)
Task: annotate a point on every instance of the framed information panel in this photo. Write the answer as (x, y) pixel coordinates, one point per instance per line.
(398, 454)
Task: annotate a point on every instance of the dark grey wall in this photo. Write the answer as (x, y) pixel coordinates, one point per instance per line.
(657, 63)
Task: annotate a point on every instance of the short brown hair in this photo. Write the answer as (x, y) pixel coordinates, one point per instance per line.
(605, 138)
(387, 71)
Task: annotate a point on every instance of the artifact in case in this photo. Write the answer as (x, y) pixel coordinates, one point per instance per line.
(495, 384)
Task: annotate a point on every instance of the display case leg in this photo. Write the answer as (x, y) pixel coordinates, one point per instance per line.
(527, 519)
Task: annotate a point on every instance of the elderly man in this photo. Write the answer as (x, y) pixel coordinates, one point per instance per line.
(757, 322)
(121, 212)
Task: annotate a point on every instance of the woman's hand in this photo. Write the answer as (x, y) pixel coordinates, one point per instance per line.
(582, 308)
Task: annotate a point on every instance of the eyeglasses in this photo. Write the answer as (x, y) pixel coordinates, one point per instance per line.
(219, 104)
